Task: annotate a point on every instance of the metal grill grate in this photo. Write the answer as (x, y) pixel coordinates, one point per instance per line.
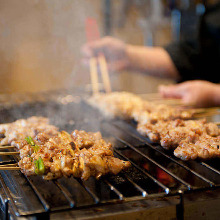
(155, 173)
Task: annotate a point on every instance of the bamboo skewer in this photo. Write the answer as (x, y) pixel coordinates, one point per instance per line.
(105, 74)
(9, 153)
(202, 115)
(6, 147)
(9, 168)
(13, 166)
(9, 164)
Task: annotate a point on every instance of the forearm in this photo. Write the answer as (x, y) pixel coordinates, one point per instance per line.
(153, 61)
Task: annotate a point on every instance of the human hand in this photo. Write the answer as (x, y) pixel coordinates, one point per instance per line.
(196, 92)
(113, 49)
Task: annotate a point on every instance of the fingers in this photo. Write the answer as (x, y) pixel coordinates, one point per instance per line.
(170, 91)
(96, 47)
(86, 51)
(112, 66)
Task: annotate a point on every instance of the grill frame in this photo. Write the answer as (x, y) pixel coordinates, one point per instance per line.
(137, 204)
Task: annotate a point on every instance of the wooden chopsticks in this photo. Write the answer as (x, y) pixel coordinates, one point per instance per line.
(94, 75)
(92, 34)
(94, 62)
(105, 74)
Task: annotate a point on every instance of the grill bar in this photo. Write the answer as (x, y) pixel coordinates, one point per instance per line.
(39, 195)
(143, 192)
(66, 194)
(166, 189)
(210, 167)
(119, 194)
(10, 198)
(158, 165)
(96, 198)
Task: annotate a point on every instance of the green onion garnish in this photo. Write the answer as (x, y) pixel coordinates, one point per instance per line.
(36, 148)
(30, 140)
(39, 166)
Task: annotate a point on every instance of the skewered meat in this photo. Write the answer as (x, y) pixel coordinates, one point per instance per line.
(66, 155)
(163, 124)
(160, 112)
(171, 133)
(129, 106)
(206, 147)
(18, 130)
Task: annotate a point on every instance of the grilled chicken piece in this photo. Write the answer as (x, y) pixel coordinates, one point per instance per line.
(206, 147)
(85, 139)
(171, 133)
(65, 155)
(20, 129)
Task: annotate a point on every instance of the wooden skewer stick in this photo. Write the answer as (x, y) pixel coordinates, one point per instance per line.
(206, 110)
(168, 101)
(9, 168)
(9, 153)
(6, 147)
(151, 95)
(202, 115)
(9, 164)
(94, 75)
(105, 74)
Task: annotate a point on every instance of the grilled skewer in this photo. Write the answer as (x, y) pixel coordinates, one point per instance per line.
(129, 106)
(74, 154)
(81, 154)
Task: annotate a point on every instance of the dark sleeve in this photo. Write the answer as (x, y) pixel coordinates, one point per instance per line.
(199, 58)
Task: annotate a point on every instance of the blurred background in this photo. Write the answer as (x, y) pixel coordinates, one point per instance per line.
(40, 40)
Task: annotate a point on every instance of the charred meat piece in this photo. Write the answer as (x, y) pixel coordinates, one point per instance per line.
(20, 129)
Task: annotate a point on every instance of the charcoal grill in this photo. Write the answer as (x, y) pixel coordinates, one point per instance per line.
(157, 186)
